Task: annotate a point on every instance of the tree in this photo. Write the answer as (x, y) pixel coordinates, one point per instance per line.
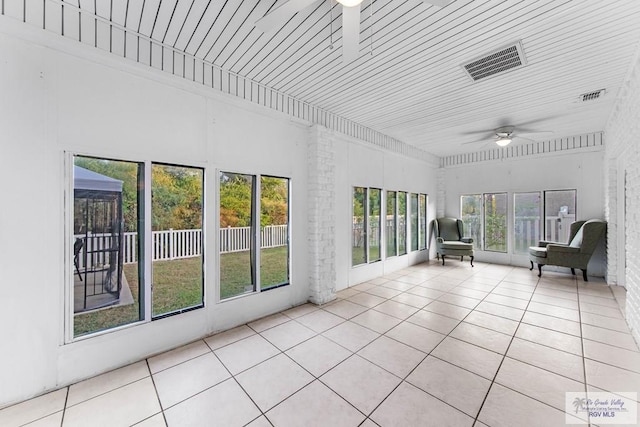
(127, 172)
(274, 203)
(235, 200)
(176, 200)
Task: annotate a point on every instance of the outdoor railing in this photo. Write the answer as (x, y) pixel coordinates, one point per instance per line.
(527, 230)
(177, 244)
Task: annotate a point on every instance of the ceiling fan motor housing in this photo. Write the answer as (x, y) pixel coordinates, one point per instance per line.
(504, 132)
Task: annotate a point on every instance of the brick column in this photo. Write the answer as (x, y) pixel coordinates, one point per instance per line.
(321, 215)
(622, 135)
(441, 199)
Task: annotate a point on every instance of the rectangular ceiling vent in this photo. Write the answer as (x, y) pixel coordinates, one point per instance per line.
(592, 95)
(499, 61)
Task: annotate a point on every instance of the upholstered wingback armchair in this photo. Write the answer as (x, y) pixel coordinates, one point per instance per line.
(449, 240)
(583, 239)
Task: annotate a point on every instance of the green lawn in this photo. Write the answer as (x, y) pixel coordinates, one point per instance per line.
(235, 271)
(178, 285)
(92, 321)
(357, 255)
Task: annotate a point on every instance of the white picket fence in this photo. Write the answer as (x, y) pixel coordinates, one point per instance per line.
(238, 239)
(177, 244)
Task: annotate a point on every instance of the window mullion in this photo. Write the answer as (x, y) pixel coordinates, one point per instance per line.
(366, 225)
(482, 219)
(382, 225)
(257, 238)
(396, 219)
(147, 241)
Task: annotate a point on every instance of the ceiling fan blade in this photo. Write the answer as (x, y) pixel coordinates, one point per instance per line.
(485, 140)
(531, 122)
(519, 138)
(485, 135)
(476, 132)
(532, 131)
(439, 3)
(278, 17)
(350, 33)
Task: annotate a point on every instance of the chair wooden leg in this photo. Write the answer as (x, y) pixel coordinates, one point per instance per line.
(531, 265)
(539, 270)
(573, 271)
(471, 260)
(442, 259)
(584, 275)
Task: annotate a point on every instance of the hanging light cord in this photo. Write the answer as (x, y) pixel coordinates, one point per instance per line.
(371, 27)
(331, 24)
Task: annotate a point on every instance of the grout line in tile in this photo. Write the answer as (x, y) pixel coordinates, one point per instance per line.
(609, 344)
(350, 404)
(64, 407)
(233, 377)
(516, 391)
(547, 346)
(503, 359)
(542, 369)
(157, 394)
(179, 363)
(550, 315)
(605, 315)
(111, 390)
(425, 357)
(584, 365)
(447, 292)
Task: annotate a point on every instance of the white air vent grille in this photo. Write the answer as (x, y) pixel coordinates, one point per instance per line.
(496, 62)
(592, 95)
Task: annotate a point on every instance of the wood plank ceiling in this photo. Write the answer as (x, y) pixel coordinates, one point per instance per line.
(408, 81)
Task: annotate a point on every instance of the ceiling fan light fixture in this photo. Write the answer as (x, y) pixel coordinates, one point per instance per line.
(503, 141)
(349, 3)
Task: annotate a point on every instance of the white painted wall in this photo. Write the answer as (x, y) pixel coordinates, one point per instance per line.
(53, 103)
(580, 170)
(366, 166)
(60, 97)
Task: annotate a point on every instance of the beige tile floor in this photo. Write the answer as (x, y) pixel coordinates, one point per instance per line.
(429, 345)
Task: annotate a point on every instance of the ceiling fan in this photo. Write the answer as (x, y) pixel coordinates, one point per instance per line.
(350, 21)
(504, 135)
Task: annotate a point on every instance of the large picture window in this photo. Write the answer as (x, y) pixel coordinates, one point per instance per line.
(527, 208)
(495, 222)
(366, 233)
(391, 226)
(559, 212)
(471, 215)
(176, 215)
(274, 232)
(414, 221)
(254, 236)
(374, 232)
(107, 242)
(110, 255)
(485, 218)
(402, 223)
(359, 229)
(422, 221)
(237, 237)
